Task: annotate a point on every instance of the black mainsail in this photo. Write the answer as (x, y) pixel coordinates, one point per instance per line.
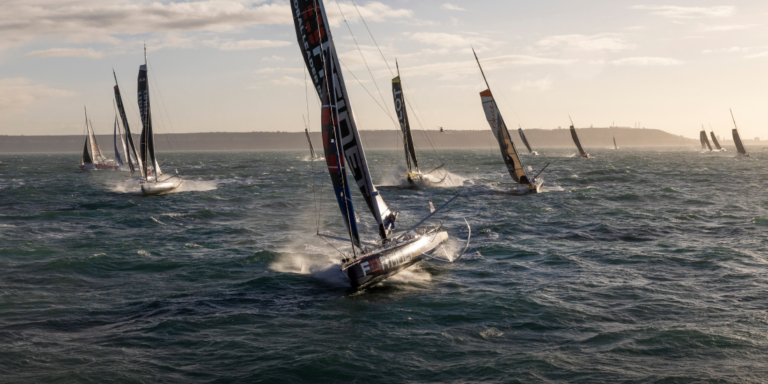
(506, 145)
(575, 137)
(147, 140)
(311, 148)
(131, 155)
(340, 133)
(714, 140)
(525, 141)
(86, 155)
(402, 116)
(737, 138)
(704, 140)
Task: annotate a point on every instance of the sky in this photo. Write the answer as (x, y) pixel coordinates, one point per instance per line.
(235, 65)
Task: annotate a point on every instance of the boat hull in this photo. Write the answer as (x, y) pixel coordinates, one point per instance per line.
(97, 167)
(379, 266)
(158, 188)
(524, 189)
(415, 178)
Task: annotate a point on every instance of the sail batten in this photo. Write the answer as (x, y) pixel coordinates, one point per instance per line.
(320, 57)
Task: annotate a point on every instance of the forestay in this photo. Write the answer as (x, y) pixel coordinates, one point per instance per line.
(322, 62)
(507, 146)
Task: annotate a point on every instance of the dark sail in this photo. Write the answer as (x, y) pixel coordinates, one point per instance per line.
(737, 141)
(320, 57)
(615, 146)
(118, 160)
(311, 148)
(146, 143)
(525, 141)
(507, 146)
(86, 156)
(714, 141)
(704, 140)
(577, 142)
(402, 116)
(127, 129)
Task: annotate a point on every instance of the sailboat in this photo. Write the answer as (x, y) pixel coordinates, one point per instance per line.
(127, 138)
(525, 141)
(737, 138)
(150, 168)
(369, 263)
(714, 140)
(508, 151)
(413, 173)
(311, 148)
(575, 137)
(94, 160)
(704, 140)
(615, 146)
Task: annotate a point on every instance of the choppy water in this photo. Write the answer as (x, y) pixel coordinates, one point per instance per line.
(633, 266)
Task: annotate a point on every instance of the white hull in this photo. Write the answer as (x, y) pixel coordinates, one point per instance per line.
(150, 188)
(382, 264)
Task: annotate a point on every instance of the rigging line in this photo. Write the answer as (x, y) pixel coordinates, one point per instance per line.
(370, 94)
(167, 115)
(372, 38)
(363, 57)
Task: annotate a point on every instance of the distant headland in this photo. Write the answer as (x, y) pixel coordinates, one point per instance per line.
(385, 139)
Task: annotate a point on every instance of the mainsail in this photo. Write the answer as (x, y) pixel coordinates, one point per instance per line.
(86, 156)
(147, 140)
(402, 116)
(507, 146)
(615, 146)
(127, 130)
(525, 141)
(577, 142)
(97, 156)
(118, 160)
(311, 148)
(737, 138)
(704, 140)
(320, 57)
(714, 140)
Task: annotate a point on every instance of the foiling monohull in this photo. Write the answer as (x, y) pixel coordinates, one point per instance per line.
(508, 151)
(704, 140)
(737, 139)
(714, 140)
(525, 141)
(576, 141)
(94, 160)
(412, 165)
(150, 181)
(369, 263)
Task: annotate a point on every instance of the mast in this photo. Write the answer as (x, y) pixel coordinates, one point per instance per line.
(737, 137)
(320, 57)
(515, 167)
(405, 126)
(132, 154)
(576, 140)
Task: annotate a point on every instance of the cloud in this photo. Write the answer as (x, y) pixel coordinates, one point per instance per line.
(287, 81)
(19, 92)
(68, 52)
(646, 61)
(757, 55)
(601, 42)
(539, 85)
(720, 28)
(451, 7)
(90, 20)
(678, 12)
(445, 40)
(451, 70)
(373, 11)
(243, 45)
(273, 58)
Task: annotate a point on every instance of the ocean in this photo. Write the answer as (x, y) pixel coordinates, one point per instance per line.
(637, 265)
